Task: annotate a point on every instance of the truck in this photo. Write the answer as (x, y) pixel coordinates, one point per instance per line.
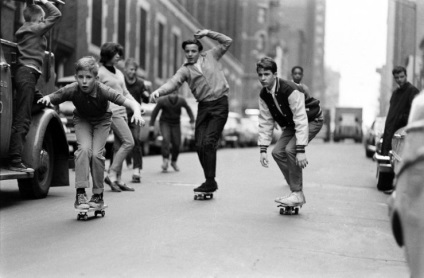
(46, 149)
(348, 124)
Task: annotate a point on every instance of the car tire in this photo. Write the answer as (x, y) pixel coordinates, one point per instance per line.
(38, 187)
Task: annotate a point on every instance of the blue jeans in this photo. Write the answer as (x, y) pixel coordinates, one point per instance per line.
(91, 140)
(25, 81)
(210, 122)
(284, 153)
(171, 134)
(123, 143)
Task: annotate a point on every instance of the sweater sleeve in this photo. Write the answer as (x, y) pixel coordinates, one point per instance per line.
(266, 126)
(53, 16)
(175, 82)
(300, 118)
(155, 112)
(224, 43)
(63, 94)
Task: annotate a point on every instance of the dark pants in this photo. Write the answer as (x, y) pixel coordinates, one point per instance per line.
(171, 134)
(25, 81)
(211, 119)
(136, 154)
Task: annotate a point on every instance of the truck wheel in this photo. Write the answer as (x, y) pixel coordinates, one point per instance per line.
(38, 187)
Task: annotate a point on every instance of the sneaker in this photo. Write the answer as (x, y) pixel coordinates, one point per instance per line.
(81, 202)
(96, 201)
(123, 186)
(20, 167)
(175, 166)
(207, 187)
(279, 199)
(165, 164)
(294, 199)
(112, 185)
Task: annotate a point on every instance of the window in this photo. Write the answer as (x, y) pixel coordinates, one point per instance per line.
(161, 33)
(96, 24)
(143, 37)
(122, 19)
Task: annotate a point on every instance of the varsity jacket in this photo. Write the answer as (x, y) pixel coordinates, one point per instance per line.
(294, 110)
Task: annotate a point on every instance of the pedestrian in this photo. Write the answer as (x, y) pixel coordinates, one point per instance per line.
(207, 82)
(110, 54)
(297, 76)
(300, 118)
(92, 120)
(31, 44)
(400, 106)
(170, 127)
(138, 90)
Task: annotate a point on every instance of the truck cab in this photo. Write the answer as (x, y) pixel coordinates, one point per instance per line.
(46, 148)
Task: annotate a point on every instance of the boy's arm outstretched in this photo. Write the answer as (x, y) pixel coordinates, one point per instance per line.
(136, 108)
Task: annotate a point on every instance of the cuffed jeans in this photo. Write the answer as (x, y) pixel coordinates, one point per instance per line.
(25, 81)
(123, 143)
(171, 134)
(91, 140)
(284, 153)
(210, 122)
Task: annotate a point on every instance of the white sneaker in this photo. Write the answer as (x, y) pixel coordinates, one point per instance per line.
(294, 199)
(279, 199)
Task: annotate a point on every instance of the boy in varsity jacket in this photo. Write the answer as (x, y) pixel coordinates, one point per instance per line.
(299, 116)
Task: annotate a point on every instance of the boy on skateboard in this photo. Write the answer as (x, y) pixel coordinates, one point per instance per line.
(92, 120)
(299, 116)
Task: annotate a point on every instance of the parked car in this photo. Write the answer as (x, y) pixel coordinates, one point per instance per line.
(231, 132)
(373, 135)
(248, 132)
(406, 204)
(387, 165)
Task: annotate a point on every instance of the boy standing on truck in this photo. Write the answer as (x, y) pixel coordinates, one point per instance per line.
(31, 45)
(92, 120)
(281, 102)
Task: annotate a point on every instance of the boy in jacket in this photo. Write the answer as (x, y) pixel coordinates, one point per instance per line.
(300, 117)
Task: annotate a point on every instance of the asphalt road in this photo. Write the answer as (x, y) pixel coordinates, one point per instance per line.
(160, 231)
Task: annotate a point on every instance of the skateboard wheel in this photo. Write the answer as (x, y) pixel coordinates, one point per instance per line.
(195, 197)
(103, 213)
(296, 211)
(78, 217)
(85, 217)
(281, 211)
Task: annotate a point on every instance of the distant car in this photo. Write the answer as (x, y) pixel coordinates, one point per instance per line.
(406, 204)
(248, 132)
(231, 132)
(373, 135)
(387, 165)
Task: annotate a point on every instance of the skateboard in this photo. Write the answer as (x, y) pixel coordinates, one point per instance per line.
(83, 213)
(203, 195)
(288, 210)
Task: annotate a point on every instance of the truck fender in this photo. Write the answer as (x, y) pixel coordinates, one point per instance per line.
(45, 124)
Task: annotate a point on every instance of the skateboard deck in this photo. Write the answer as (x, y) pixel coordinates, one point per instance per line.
(288, 210)
(203, 195)
(83, 213)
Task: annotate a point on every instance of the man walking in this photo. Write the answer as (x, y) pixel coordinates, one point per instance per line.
(210, 88)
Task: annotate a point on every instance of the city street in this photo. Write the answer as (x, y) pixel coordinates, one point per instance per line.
(160, 231)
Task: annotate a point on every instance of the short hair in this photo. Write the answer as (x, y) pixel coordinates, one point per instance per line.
(131, 62)
(196, 42)
(110, 49)
(87, 63)
(31, 12)
(266, 63)
(398, 70)
(297, 67)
